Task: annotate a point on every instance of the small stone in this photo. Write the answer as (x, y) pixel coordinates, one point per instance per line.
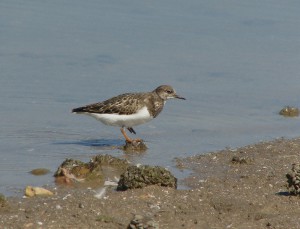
(28, 225)
(80, 205)
(39, 171)
(37, 191)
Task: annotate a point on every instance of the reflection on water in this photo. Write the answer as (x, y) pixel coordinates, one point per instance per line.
(96, 143)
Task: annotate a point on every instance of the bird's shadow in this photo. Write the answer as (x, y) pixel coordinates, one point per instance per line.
(98, 143)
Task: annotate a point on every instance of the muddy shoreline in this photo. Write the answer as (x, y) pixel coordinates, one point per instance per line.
(232, 188)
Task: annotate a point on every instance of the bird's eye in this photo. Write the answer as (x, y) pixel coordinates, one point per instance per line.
(169, 92)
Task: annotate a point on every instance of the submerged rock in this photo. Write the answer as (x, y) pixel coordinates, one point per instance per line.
(39, 171)
(294, 180)
(142, 176)
(68, 164)
(289, 111)
(108, 160)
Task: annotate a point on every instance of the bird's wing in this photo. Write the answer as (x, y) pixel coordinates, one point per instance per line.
(121, 104)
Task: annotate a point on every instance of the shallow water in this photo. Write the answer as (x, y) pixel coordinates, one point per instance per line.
(236, 63)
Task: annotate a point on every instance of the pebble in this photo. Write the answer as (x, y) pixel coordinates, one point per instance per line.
(294, 180)
(141, 222)
(37, 191)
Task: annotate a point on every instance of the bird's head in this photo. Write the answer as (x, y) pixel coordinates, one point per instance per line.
(167, 92)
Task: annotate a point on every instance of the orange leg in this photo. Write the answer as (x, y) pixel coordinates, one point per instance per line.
(128, 139)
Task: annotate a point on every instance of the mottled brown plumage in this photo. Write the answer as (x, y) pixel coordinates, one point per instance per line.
(126, 104)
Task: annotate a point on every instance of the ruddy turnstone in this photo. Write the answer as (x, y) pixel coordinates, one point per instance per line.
(130, 109)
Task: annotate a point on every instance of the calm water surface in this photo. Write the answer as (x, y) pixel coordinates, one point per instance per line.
(237, 64)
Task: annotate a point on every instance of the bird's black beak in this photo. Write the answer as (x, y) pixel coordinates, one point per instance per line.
(179, 97)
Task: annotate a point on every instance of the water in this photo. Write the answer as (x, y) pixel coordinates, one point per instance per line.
(237, 63)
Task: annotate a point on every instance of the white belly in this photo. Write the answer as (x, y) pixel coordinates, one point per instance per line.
(123, 120)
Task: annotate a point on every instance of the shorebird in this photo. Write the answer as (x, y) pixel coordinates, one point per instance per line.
(130, 109)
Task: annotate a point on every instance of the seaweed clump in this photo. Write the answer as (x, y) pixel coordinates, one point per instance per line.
(294, 180)
(142, 176)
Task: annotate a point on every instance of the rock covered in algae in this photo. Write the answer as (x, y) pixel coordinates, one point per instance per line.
(142, 176)
(135, 146)
(80, 171)
(294, 180)
(289, 111)
(108, 160)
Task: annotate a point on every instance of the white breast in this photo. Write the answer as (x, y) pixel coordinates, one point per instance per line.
(138, 118)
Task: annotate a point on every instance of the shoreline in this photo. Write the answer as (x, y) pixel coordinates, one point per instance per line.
(244, 187)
